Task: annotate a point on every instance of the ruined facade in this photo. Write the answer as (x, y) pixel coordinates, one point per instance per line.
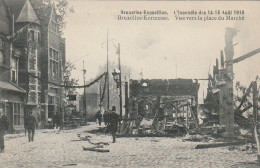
(160, 104)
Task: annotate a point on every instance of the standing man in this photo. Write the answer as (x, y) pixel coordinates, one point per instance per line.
(105, 116)
(3, 128)
(54, 121)
(31, 124)
(113, 122)
(25, 128)
(99, 117)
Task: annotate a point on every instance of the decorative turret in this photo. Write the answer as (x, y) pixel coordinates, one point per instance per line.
(27, 14)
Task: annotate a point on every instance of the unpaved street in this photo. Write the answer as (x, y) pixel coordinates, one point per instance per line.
(63, 149)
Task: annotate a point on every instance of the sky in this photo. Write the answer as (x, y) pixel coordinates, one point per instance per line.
(161, 49)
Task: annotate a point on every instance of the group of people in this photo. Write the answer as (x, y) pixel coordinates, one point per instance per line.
(105, 117)
(111, 120)
(29, 124)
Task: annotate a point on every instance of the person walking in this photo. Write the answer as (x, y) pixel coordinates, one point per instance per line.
(3, 128)
(25, 128)
(105, 116)
(31, 124)
(113, 121)
(24, 123)
(99, 117)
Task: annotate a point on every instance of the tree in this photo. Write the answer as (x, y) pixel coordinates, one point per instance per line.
(62, 9)
(68, 80)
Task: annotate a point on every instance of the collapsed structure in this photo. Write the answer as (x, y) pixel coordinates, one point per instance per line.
(161, 106)
(219, 103)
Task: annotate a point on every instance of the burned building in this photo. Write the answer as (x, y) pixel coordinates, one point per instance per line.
(162, 103)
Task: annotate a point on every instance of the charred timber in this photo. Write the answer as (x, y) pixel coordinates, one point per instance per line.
(250, 54)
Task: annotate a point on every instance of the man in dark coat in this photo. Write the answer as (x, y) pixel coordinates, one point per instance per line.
(30, 122)
(55, 121)
(3, 128)
(99, 117)
(105, 116)
(113, 121)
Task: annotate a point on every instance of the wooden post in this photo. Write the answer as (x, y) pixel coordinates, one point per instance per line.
(126, 99)
(221, 109)
(108, 105)
(120, 81)
(228, 102)
(255, 113)
(255, 101)
(195, 118)
(187, 116)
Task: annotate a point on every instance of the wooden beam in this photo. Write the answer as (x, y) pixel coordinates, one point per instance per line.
(215, 145)
(245, 109)
(244, 96)
(95, 149)
(250, 54)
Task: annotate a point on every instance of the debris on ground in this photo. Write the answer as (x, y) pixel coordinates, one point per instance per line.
(97, 145)
(87, 138)
(95, 149)
(247, 147)
(71, 164)
(154, 140)
(197, 138)
(219, 144)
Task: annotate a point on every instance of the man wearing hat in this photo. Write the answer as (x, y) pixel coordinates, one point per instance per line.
(3, 128)
(113, 120)
(30, 123)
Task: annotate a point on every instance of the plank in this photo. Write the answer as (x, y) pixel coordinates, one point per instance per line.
(95, 149)
(222, 144)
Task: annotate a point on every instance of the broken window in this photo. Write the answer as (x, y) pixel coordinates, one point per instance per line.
(51, 68)
(2, 106)
(31, 35)
(1, 58)
(54, 63)
(17, 114)
(13, 76)
(39, 37)
(34, 35)
(54, 27)
(51, 100)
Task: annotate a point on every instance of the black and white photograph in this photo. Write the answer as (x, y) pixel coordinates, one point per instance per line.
(129, 84)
